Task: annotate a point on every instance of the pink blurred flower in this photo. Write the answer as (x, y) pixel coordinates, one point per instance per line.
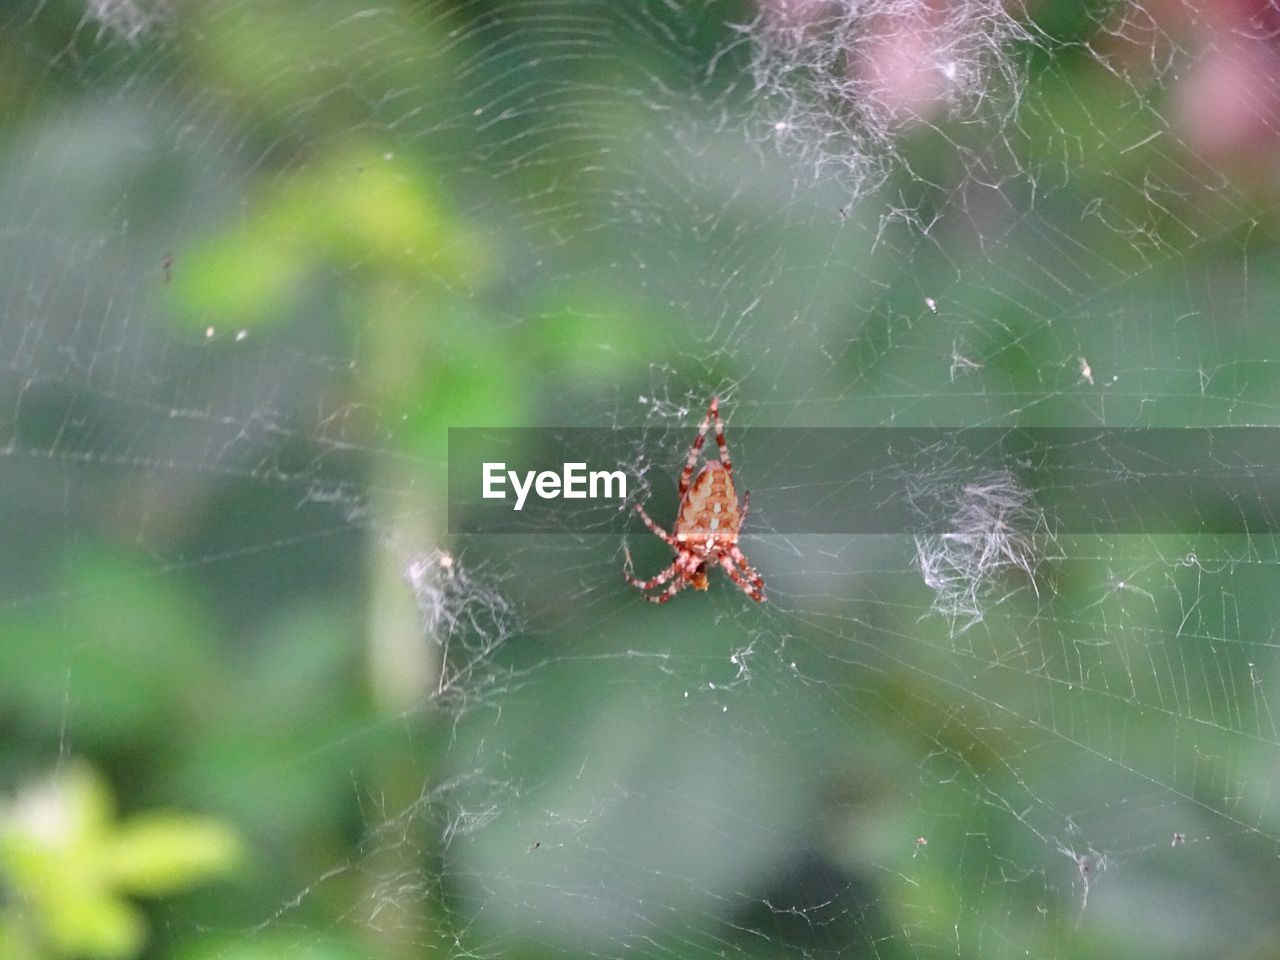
(1229, 105)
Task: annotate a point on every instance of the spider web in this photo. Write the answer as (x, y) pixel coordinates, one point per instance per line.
(259, 257)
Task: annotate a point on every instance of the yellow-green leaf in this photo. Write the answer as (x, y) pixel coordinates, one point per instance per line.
(160, 853)
(84, 922)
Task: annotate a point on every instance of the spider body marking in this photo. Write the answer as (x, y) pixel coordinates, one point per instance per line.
(708, 522)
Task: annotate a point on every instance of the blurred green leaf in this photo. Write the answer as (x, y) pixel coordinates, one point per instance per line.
(103, 663)
(70, 866)
(159, 853)
(380, 212)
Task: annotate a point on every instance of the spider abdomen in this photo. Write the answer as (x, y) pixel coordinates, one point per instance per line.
(710, 508)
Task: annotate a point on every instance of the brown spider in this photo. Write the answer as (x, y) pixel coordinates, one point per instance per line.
(707, 525)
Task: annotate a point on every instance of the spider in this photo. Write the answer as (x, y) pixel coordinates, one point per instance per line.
(707, 525)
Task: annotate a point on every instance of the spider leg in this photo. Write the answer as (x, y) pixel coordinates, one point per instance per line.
(691, 461)
(750, 571)
(746, 508)
(649, 584)
(657, 530)
(714, 411)
(752, 590)
(668, 593)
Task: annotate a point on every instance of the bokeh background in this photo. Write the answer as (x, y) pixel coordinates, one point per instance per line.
(256, 258)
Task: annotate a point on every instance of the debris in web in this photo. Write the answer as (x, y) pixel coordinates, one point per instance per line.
(461, 611)
(1089, 865)
(838, 80)
(995, 529)
(130, 20)
(961, 362)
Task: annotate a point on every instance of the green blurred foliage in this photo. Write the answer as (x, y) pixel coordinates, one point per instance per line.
(377, 214)
(69, 869)
(377, 233)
